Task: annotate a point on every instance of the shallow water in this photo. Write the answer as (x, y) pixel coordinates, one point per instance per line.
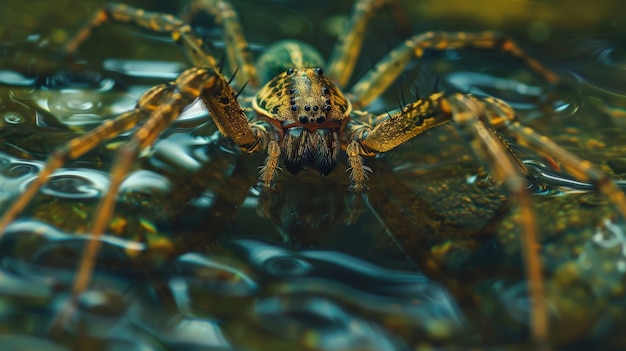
(196, 257)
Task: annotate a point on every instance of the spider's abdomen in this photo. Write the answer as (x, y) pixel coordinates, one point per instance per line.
(287, 54)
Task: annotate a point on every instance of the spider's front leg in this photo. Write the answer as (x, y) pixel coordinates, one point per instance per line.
(75, 148)
(479, 120)
(394, 129)
(221, 101)
(166, 105)
(467, 113)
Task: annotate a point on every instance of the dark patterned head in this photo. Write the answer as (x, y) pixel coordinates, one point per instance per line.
(309, 113)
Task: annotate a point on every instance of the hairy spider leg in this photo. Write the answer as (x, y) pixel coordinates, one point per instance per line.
(198, 53)
(390, 131)
(191, 84)
(467, 113)
(502, 118)
(237, 49)
(347, 49)
(381, 76)
(77, 147)
(469, 116)
(378, 79)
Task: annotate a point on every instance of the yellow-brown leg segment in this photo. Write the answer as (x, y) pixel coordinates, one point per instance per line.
(230, 118)
(268, 170)
(190, 84)
(83, 144)
(392, 129)
(378, 79)
(468, 115)
(399, 126)
(347, 49)
(158, 22)
(502, 117)
(237, 50)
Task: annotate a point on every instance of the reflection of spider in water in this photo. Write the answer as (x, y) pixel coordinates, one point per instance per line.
(305, 121)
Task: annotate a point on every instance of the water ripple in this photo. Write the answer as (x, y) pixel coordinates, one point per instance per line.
(352, 281)
(76, 184)
(322, 324)
(215, 275)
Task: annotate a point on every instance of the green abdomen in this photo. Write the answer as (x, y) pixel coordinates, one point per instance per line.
(287, 54)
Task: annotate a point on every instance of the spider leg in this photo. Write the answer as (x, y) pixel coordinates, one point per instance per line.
(347, 49)
(182, 33)
(83, 144)
(392, 129)
(237, 50)
(469, 115)
(502, 117)
(186, 88)
(191, 84)
(378, 79)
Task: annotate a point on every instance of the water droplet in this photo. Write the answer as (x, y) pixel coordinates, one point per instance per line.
(14, 175)
(613, 57)
(222, 276)
(16, 79)
(79, 80)
(77, 184)
(145, 182)
(75, 108)
(287, 266)
(13, 118)
(18, 170)
(77, 104)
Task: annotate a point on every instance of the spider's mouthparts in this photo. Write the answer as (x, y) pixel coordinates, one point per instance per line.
(304, 148)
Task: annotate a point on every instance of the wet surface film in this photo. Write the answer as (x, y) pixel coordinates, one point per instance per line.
(197, 257)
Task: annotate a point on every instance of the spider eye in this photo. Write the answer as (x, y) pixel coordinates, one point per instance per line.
(319, 71)
(290, 71)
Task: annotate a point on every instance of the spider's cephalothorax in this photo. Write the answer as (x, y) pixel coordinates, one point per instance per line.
(308, 113)
(310, 120)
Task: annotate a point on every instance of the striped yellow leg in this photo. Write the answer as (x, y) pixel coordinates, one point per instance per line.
(348, 47)
(378, 79)
(189, 85)
(502, 117)
(193, 46)
(237, 50)
(470, 115)
(83, 144)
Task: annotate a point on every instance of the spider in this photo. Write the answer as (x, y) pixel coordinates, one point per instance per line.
(305, 121)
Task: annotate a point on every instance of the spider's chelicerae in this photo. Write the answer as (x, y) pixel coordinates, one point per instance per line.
(306, 121)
